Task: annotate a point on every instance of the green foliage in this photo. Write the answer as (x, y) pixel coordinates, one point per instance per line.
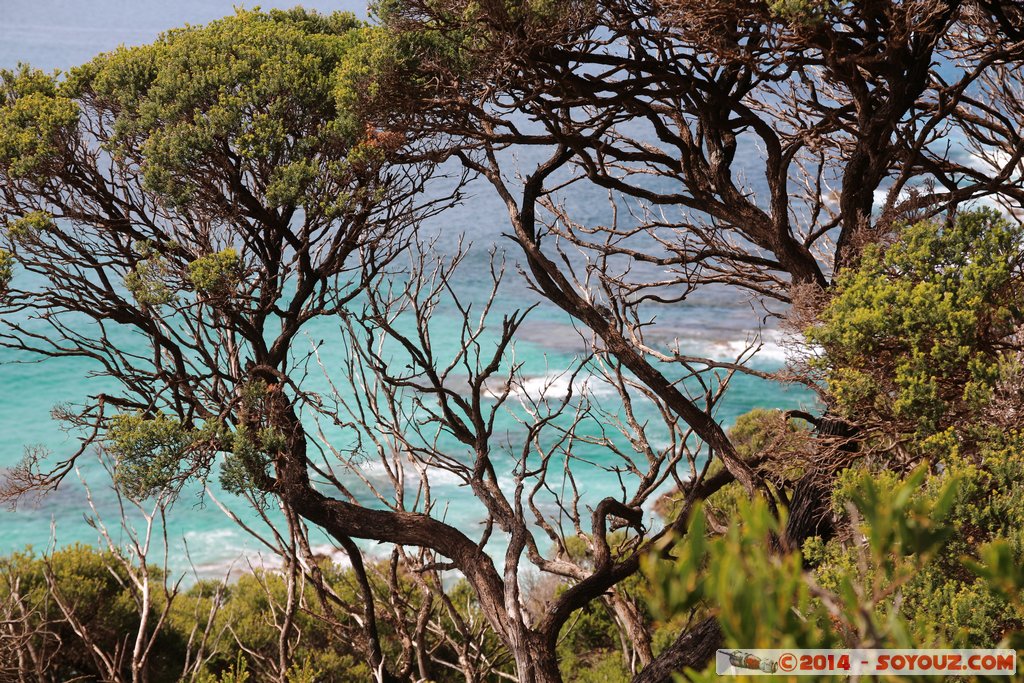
(6, 269)
(898, 521)
(397, 72)
(1000, 564)
(238, 673)
(759, 595)
(299, 672)
(265, 91)
(783, 444)
(148, 284)
(802, 12)
(529, 14)
(383, 75)
(244, 636)
(891, 583)
(322, 651)
(216, 273)
(592, 666)
(157, 453)
(588, 646)
(37, 122)
(95, 587)
(911, 338)
(29, 226)
(948, 597)
(150, 452)
(757, 430)
(259, 82)
(327, 648)
(912, 347)
(918, 349)
(248, 459)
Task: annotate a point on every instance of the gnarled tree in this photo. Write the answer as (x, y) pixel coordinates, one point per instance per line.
(222, 190)
(757, 145)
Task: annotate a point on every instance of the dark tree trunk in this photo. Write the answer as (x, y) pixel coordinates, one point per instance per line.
(536, 661)
(637, 631)
(693, 649)
(809, 512)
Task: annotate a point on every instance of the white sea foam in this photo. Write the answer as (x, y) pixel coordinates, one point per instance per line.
(769, 346)
(202, 541)
(375, 471)
(737, 348)
(555, 386)
(881, 195)
(230, 553)
(226, 553)
(506, 483)
(336, 555)
(993, 161)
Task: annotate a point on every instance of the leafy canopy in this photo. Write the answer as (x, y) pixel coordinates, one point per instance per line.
(258, 88)
(917, 337)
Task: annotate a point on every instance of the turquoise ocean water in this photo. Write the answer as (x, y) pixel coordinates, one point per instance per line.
(53, 34)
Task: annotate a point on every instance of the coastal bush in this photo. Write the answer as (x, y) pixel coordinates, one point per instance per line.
(238, 623)
(895, 580)
(920, 343)
(51, 600)
(920, 351)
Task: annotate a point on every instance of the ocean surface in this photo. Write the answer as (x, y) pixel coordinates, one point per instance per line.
(52, 34)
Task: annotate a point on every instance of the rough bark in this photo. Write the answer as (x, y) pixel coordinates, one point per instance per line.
(693, 649)
(809, 513)
(631, 622)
